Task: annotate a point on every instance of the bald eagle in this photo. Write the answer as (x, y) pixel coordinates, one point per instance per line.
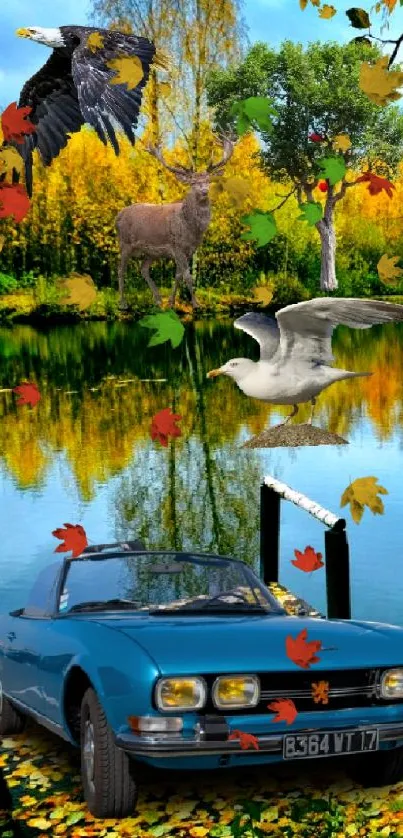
(73, 88)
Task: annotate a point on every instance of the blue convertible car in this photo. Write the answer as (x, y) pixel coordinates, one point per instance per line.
(186, 660)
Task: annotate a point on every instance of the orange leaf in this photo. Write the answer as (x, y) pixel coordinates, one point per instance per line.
(28, 393)
(308, 560)
(376, 184)
(320, 692)
(246, 739)
(74, 537)
(285, 709)
(13, 201)
(301, 651)
(14, 123)
(164, 425)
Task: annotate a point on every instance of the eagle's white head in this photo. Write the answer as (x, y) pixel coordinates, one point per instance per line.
(49, 37)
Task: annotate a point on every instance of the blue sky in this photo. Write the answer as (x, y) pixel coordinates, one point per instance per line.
(268, 20)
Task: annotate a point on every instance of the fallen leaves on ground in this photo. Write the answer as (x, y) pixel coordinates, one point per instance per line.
(164, 425)
(320, 692)
(262, 225)
(363, 492)
(129, 71)
(14, 201)
(301, 651)
(81, 290)
(307, 561)
(167, 326)
(285, 710)
(15, 124)
(379, 83)
(306, 799)
(246, 740)
(74, 538)
(28, 393)
(376, 184)
(388, 271)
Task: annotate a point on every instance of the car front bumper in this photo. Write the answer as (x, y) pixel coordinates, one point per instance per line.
(201, 746)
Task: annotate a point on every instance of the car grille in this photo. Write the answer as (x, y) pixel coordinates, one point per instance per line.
(347, 688)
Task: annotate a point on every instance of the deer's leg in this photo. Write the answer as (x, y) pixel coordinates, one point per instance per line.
(178, 277)
(183, 266)
(145, 272)
(124, 259)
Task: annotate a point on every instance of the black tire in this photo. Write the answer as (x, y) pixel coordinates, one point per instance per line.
(11, 720)
(384, 768)
(109, 787)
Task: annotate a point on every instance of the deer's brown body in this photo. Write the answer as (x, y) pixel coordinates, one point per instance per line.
(167, 231)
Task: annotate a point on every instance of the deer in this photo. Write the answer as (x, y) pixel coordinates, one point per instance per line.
(169, 231)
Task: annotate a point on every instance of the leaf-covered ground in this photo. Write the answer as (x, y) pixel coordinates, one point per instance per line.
(315, 799)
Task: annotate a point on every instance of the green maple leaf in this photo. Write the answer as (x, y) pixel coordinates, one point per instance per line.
(311, 212)
(262, 227)
(358, 18)
(167, 325)
(334, 168)
(256, 111)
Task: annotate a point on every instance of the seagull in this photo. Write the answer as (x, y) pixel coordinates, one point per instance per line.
(296, 351)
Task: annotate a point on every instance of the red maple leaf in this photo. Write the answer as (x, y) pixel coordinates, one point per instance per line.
(316, 138)
(28, 393)
(301, 651)
(308, 560)
(247, 740)
(376, 184)
(74, 537)
(323, 185)
(163, 425)
(14, 123)
(13, 201)
(285, 709)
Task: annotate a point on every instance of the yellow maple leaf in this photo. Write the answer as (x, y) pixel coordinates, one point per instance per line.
(9, 160)
(341, 142)
(129, 71)
(363, 492)
(326, 12)
(80, 288)
(263, 294)
(95, 41)
(388, 270)
(238, 189)
(379, 83)
(315, 2)
(164, 89)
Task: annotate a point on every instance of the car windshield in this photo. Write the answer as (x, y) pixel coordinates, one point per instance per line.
(163, 582)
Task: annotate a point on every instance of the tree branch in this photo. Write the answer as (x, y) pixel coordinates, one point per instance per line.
(281, 204)
(344, 186)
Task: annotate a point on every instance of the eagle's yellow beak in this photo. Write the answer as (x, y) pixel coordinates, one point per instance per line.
(213, 373)
(22, 33)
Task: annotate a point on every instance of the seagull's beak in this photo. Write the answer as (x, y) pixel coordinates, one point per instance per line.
(22, 33)
(214, 373)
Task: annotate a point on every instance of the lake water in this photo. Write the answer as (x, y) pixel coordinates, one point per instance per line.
(84, 453)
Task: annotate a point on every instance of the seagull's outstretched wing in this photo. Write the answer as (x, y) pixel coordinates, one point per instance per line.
(55, 112)
(99, 100)
(306, 328)
(263, 329)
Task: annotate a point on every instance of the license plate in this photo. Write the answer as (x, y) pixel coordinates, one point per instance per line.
(329, 743)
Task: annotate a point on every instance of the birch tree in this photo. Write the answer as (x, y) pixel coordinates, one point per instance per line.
(315, 93)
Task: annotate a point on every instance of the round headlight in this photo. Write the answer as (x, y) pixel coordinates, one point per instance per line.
(392, 683)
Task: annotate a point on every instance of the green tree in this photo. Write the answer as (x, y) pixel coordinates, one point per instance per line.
(314, 91)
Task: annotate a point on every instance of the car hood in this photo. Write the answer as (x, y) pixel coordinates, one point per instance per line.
(248, 643)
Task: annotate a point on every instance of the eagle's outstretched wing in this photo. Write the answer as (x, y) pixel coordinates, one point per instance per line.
(99, 100)
(56, 113)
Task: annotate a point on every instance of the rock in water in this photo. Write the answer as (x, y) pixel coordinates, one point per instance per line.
(293, 436)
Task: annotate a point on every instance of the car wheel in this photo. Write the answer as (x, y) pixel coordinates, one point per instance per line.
(11, 720)
(107, 772)
(383, 768)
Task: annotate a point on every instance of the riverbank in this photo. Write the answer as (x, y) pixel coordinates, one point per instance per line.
(27, 306)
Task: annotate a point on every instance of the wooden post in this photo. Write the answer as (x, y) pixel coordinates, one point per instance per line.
(337, 572)
(269, 534)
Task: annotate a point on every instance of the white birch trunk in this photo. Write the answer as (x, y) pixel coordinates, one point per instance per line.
(328, 279)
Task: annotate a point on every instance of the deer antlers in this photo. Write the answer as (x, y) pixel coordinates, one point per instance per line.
(176, 170)
(228, 144)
